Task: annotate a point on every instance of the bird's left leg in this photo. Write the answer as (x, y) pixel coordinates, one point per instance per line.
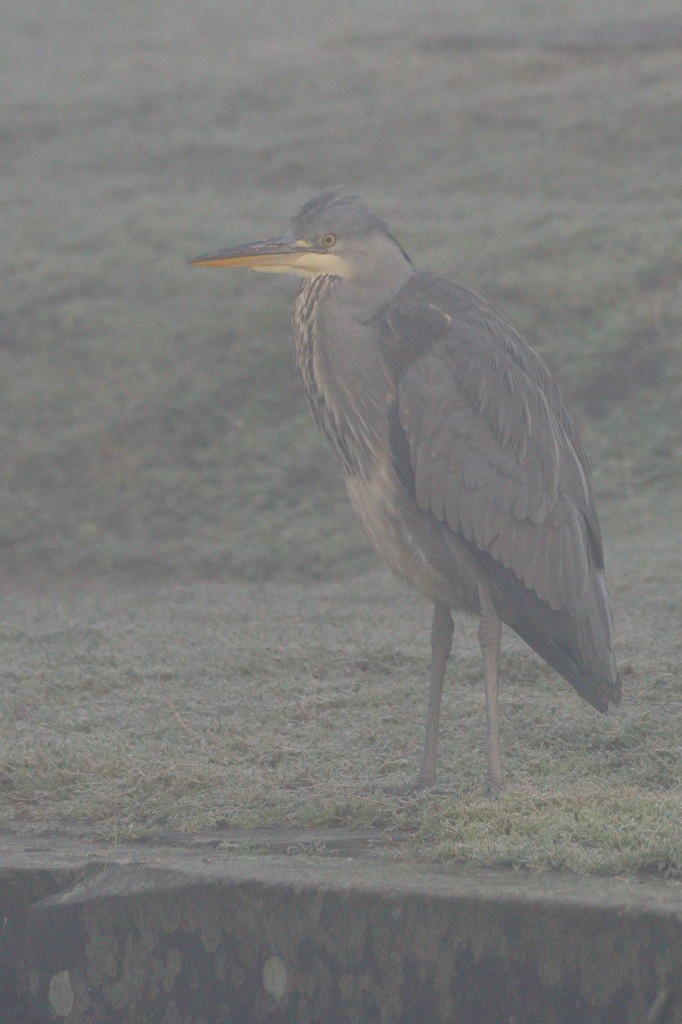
(489, 632)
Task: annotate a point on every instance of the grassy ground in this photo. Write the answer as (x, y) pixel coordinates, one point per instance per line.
(151, 426)
(139, 709)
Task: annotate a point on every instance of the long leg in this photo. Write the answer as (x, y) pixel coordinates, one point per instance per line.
(489, 632)
(441, 645)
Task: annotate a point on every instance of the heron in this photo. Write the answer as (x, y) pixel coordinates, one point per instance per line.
(459, 456)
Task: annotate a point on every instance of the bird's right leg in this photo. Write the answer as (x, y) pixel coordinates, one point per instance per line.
(441, 644)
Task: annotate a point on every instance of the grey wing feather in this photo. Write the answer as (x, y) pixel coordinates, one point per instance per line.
(497, 460)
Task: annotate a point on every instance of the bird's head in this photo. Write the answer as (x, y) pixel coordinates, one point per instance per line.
(333, 233)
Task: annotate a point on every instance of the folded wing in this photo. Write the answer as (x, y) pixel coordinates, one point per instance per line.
(496, 459)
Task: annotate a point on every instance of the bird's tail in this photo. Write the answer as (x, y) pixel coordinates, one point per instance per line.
(577, 643)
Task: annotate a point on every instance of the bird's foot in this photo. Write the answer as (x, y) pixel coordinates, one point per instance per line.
(415, 785)
(494, 787)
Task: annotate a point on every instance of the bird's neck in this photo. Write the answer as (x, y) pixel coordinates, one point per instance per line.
(363, 298)
(341, 366)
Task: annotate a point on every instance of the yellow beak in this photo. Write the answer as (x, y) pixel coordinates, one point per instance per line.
(271, 252)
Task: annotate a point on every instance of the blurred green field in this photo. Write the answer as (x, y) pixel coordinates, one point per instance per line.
(149, 416)
(194, 631)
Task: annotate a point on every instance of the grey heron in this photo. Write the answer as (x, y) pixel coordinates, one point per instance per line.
(459, 456)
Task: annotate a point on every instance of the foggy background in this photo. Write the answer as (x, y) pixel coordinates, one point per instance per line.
(150, 420)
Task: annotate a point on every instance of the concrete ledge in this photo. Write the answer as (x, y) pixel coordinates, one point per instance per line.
(173, 936)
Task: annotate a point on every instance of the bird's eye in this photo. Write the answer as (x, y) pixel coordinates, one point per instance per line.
(328, 240)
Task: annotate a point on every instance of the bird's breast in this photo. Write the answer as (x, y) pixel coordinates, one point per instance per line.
(344, 376)
(412, 544)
